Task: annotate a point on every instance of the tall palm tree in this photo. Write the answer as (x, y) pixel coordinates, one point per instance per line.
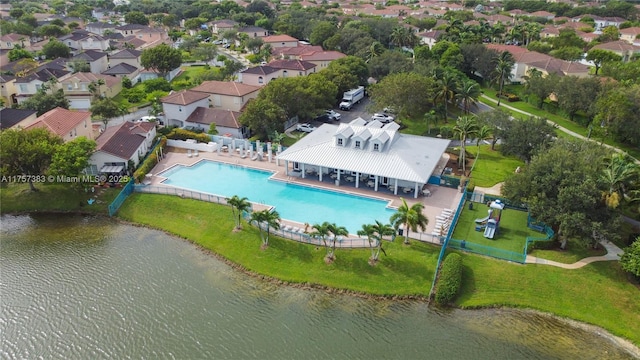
(381, 231)
(369, 232)
(468, 94)
(503, 70)
(484, 133)
(238, 206)
(446, 90)
(322, 232)
(466, 126)
(411, 217)
(376, 49)
(336, 231)
(267, 219)
(94, 88)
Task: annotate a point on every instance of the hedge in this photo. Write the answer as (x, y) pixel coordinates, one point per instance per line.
(149, 162)
(450, 279)
(182, 134)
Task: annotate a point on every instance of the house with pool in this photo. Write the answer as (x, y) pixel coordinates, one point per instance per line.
(368, 154)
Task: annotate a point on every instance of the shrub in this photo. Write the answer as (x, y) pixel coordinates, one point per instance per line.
(149, 162)
(133, 95)
(158, 84)
(471, 185)
(450, 279)
(183, 134)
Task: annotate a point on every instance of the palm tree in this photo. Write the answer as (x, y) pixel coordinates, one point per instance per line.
(401, 36)
(369, 232)
(268, 219)
(468, 94)
(619, 173)
(94, 88)
(484, 133)
(336, 231)
(411, 217)
(381, 231)
(238, 206)
(466, 126)
(376, 49)
(446, 90)
(503, 70)
(322, 233)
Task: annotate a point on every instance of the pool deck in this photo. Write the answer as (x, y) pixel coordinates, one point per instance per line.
(441, 197)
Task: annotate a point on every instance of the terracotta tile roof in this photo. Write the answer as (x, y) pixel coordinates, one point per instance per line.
(184, 97)
(131, 27)
(278, 38)
(292, 65)
(619, 45)
(294, 50)
(226, 88)
(222, 118)
(322, 56)
(60, 121)
(510, 48)
(124, 140)
(89, 77)
(260, 70)
(15, 38)
(631, 31)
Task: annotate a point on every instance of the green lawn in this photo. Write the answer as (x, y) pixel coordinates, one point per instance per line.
(512, 231)
(492, 167)
(190, 72)
(15, 198)
(599, 293)
(407, 270)
(575, 251)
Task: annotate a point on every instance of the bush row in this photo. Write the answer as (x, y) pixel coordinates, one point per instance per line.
(510, 97)
(149, 162)
(450, 279)
(183, 134)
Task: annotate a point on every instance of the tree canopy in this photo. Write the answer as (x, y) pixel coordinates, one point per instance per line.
(43, 101)
(162, 58)
(55, 49)
(410, 94)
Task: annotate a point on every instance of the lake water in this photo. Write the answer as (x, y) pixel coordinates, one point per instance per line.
(76, 287)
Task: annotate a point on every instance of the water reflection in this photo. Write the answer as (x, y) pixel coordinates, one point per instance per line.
(85, 287)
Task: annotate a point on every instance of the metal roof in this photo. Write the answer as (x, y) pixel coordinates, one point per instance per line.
(404, 157)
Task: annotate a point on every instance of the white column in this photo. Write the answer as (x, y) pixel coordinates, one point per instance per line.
(303, 170)
(357, 180)
(395, 187)
(415, 191)
(286, 167)
(376, 184)
(320, 173)
(269, 150)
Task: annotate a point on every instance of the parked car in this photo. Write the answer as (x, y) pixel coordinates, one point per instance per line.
(323, 118)
(305, 127)
(383, 118)
(147, 119)
(333, 114)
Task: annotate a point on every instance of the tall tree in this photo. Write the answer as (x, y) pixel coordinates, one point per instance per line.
(618, 177)
(411, 217)
(445, 91)
(504, 65)
(540, 86)
(265, 220)
(577, 94)
(497, 120)
(43, 101)
(55, 49)
(616, 112)
(321, 231)
(105, 110)
(336, 233)
(263, 117)
(136, 17)
(161, 58)
(238, 206)
(466, 126)
(72, 158)
(381, 231)
(601, 56)
(524, 138)
(27, 152)
(409, 94)
(468, 93)
(561, 189)
(630, 259)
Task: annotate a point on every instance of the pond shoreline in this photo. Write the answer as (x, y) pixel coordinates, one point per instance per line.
(627, 345)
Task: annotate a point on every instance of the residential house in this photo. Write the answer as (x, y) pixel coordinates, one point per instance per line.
(601, 22)
(261, 75)
(543, 14)
(9, 41)
(254, 31)
(178, 106)
(29, 85)
(220, 26)
(631, 35)
(99, 28)
(121, 144)
(152, 37)
(67, 124)
(123, 70)
(80, 40)
(76, 88)
(430, 38)
(294, 52)
(228, 95)
(277, 41)
(624, 49)
(321, 59)
(8, 90)
(16, 118)
(130, 29)
(126, 56)
(97, 61)
(368, 154)
(226, 121)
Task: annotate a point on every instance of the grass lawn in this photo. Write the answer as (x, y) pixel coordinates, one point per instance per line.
(416, 127)
(575, 251)
(598, 293)
(17, 198)
(190, 72)
(512, 230)
(407, 270)
(492, 167)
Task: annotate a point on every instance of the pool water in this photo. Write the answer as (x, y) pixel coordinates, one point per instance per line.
(298, 203)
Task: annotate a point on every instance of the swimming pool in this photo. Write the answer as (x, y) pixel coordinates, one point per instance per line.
(298, 203)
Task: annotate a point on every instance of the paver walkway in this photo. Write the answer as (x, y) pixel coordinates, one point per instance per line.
(563, 129)
(613, 254)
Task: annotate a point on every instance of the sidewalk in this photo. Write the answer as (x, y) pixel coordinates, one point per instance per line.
(563, 129)
(613, 254)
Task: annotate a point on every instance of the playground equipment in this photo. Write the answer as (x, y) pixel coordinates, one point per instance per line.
(483, 221)
(493, 222)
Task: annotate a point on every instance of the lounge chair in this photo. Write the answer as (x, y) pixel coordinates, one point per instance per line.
(188, 152)
(195, 152)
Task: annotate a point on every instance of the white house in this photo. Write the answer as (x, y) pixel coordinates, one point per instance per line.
(367, 154)
(178, 106)
(226, 121)
(228, 95)
(118, 145)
